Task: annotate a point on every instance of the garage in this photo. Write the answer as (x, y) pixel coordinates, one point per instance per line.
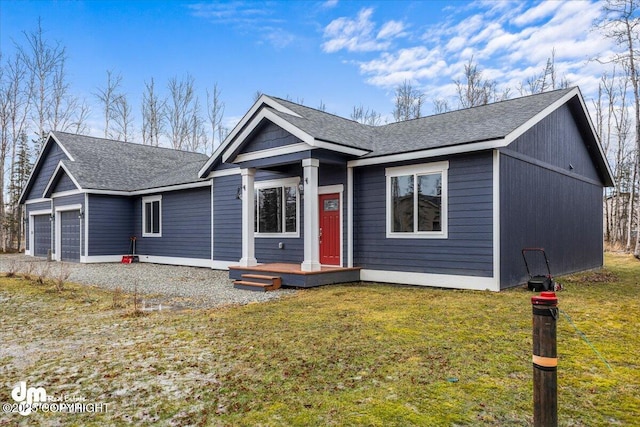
(70, 235)
(41, 235)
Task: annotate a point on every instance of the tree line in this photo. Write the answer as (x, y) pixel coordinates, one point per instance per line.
(36, 97)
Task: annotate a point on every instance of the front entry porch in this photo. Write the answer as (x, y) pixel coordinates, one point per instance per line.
(292, 274)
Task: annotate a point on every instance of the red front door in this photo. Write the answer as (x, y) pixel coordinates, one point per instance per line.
(330, 229)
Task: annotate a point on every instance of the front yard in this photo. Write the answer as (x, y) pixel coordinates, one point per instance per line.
(363, 354)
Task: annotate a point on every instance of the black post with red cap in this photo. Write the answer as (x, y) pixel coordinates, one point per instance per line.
(545, 360)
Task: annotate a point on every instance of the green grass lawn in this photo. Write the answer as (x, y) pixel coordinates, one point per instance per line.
(338, 355)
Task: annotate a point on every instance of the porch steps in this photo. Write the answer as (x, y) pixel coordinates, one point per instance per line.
(258, 283)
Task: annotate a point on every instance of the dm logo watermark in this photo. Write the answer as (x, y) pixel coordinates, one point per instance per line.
(26, 397)
(35, 399)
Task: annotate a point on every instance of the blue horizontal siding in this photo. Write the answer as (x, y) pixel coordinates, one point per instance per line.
(48, 162)
(186, 225)
(64, 184)
(468, 250)
(269, 135)
(227, 219)
(111, 224)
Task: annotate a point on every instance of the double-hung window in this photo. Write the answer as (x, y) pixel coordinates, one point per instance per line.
(277, 208)
(417, 201)
(152, 216)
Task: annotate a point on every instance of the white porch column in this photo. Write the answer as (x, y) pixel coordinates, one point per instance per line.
(311, 221)
(248, 215)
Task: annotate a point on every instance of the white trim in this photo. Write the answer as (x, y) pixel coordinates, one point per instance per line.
(425, 154)
(40, 212)
(50, 136)
(52, 179)
(27, 252)
(189, 262)
(340, 148)
(67, 193)
(263, 100)
(334, 189)
(349, 217)
(100, 259)
(311, 216)
(222, 265)
(516, 133)
(212, 228)
(253, 124)
(428, 279)
(166, 189)
(32, 231)
(64, 150)
(86, 224)
(41, 200)
(330, 189)
(224, 172)
(496, 219)
(58, 229)
(248, 216)
(416, 170)
(151, 199)
(276, 183)
(272, 152)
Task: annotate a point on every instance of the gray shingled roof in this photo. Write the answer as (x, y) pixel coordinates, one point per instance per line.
(103, 164)
(484, 123)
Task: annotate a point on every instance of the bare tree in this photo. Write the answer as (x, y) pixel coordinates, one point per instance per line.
(440, 106)
(196, 138)
(215, 112)
(474, 90)
(622, 24)
(153, 119)
(408, 102)
(545, 81)
(108, 97)
(41, 59)
(366, 116)
(179, 110)
(122, 119)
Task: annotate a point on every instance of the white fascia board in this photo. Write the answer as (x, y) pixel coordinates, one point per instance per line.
(33, 201)
(263, 100)
(496, 217)
(425, 154)
(516, 133)
(340, 148)
(64, 208)
(255, 121)
(433, 280)
(595, 135)
(273, 152)
(224, 172)
(199, 184)
(55, 174)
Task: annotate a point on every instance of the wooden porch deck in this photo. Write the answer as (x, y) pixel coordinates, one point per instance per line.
(292, 275)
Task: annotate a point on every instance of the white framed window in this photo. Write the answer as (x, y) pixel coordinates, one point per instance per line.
(417, 201)
(152, 216)
(277, 208)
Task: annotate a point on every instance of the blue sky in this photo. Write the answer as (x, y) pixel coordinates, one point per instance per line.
(340, 53)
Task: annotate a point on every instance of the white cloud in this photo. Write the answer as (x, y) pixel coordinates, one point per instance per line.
(509, 41)
(329, 4)
(359, 34)
(391, 29)
(543, 10)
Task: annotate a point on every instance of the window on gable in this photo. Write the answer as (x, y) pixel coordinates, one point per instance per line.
(417, 201)
(152, 216)
(277, 209)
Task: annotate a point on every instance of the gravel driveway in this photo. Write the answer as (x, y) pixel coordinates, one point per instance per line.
(169, 285)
